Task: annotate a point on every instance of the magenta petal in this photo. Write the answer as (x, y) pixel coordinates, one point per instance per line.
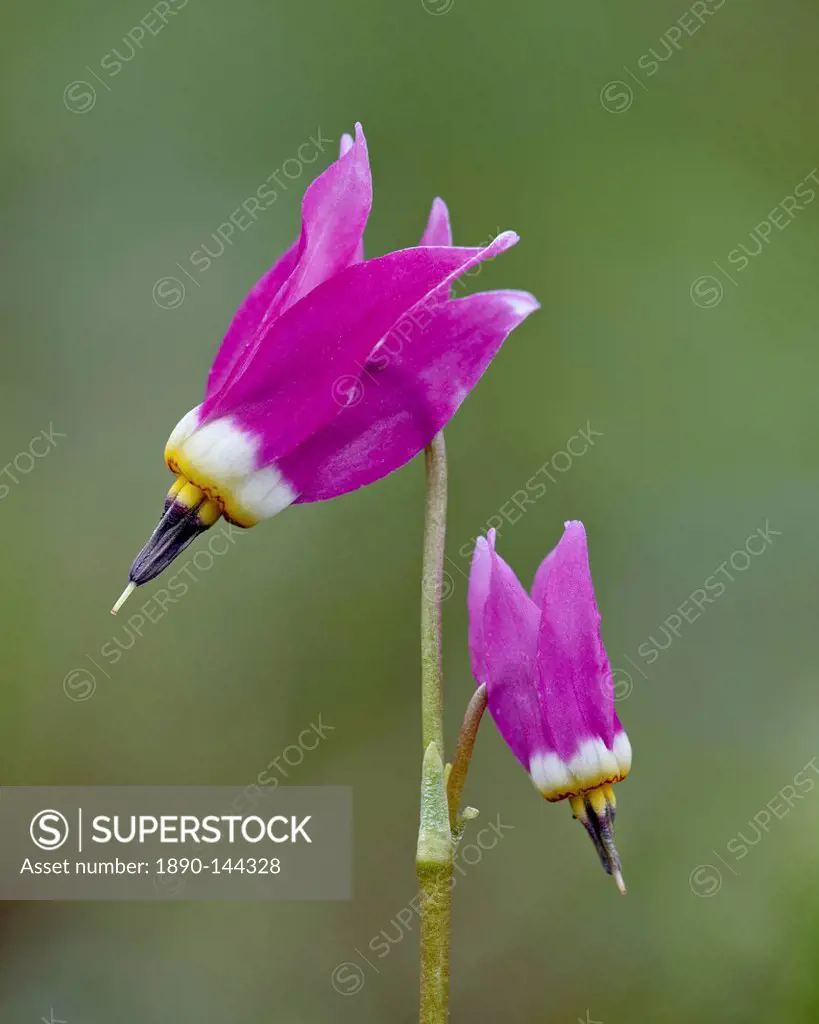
(410, 389)
(334, 214)
(438, 230)
(292, 388)
(503, 634)
(480, 576)
(344, 148)
(574, 670)
(335, 209)
(247, 319)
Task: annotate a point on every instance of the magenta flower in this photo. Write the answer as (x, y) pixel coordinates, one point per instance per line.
(306, 400)
(548, 679)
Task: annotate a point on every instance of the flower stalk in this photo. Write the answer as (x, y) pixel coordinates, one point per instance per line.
(463, 756)
(432, 693)
(434, 857)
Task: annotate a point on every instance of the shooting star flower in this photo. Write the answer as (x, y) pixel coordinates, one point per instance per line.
(305, 400)
(549, 682)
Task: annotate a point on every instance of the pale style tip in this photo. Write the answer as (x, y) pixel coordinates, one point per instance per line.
(618, 878)
(124, 597)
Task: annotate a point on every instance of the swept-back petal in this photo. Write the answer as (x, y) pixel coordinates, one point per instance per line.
(572, 660)
(292, 388)
(503, 635)
(411, 387)
(480, 577)
(438, 230)
(334, 214)
(345, 145)
(335, 209)
(588, 748)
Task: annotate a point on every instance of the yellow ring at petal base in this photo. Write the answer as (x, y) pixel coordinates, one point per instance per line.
(230, 508)
(183, 492)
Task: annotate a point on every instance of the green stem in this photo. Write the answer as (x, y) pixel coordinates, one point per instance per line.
(435, 843)
(432, 695)
(434, 869)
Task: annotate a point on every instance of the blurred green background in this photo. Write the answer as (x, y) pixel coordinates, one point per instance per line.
(624, 194)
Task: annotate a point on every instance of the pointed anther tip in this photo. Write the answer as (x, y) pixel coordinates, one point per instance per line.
(123, 597)
(618, 878)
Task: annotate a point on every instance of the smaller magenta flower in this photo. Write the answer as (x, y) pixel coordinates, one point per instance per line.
(548, 680)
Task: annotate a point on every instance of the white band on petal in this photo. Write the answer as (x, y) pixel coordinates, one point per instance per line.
(221, 451)
(593, 765)
(221, 459)
(265, 493)
(622, 751)
(184, 428)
